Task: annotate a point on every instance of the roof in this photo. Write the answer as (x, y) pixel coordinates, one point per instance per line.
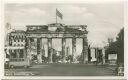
(72, 30)
(18, 31)
(59, 28)
(36, 25)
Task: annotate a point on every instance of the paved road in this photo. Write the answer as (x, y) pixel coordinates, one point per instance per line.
(63, 70)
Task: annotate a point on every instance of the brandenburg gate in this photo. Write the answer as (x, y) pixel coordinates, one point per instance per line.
(61, 31)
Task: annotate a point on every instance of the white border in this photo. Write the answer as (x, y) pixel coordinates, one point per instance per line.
(58, 77)
(126, 39)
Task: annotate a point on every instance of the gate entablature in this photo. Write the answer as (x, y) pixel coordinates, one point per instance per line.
(56, 30)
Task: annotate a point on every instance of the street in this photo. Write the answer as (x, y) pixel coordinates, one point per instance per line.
(61, 70)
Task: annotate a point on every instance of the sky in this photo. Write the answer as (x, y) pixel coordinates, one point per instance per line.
(103, 20)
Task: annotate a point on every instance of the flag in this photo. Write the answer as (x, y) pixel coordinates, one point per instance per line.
(59, 14)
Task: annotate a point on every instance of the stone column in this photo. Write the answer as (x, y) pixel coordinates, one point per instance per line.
(27, 47)
(103, 52)
(17, 53)
(38, 45)
(50, 50)
(63, 49)
(73, 49)
(24, 53)
(85, 50)
(39, 58)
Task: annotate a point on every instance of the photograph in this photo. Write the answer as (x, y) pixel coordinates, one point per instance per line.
(64, 39)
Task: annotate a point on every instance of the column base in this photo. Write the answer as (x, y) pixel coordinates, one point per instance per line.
(85, 62)
(64, 61)
(50, 62)
(39, 58)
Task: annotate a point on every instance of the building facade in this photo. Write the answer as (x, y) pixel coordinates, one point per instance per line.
(16, 45)
(97, 55)
(61, 31)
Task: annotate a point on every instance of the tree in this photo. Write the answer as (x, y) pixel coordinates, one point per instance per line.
(45, 59)
(69, 58)
(79, 58)
(54, 58)
(34, 57)
(120, 46)
(117, 47)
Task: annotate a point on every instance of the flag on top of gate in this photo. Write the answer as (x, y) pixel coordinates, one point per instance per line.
(59, 14)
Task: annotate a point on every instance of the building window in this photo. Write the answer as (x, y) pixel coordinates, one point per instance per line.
(22, 40)
(22, 45)
(14, 44)
(21, 54)
(18, 45)
(18, 40)
(14, 54)
(22, 36)
(14, 40)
